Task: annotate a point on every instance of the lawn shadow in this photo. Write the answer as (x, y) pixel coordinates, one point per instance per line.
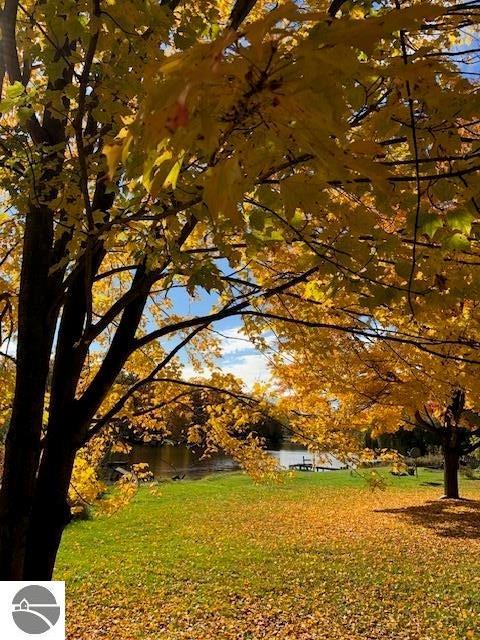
(446, 518)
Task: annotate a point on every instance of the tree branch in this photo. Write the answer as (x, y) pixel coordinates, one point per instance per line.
(226, 312)
(239, 12)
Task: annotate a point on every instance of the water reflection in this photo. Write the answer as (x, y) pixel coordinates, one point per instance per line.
(168, 461)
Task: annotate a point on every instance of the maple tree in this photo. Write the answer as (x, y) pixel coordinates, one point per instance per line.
(339, 387)
(150, 148)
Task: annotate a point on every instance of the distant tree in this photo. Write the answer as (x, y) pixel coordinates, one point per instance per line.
(352, 387)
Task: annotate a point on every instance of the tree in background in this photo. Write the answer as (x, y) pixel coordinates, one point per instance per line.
(152, 150)
(351, 385)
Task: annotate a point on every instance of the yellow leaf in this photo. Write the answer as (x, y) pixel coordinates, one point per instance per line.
(172, 177)
(113, 153)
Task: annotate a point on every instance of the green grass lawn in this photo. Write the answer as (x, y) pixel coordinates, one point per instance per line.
(321, 556)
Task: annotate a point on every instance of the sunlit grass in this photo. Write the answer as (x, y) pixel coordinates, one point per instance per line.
(320, 556)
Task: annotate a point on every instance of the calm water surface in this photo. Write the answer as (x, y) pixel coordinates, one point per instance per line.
(168, 460)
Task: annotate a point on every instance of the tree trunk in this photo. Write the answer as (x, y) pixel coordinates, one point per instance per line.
(22, 449)
(51, 512)
(450, 472)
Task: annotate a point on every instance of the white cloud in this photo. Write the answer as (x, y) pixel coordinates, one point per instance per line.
(234, 341)
(249, 368)
(240, 358)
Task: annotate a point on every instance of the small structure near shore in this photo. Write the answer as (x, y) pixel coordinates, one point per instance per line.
(309, 464)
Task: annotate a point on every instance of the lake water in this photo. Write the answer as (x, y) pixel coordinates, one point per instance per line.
(179, 460)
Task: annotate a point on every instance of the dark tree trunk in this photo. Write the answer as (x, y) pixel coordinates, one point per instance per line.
(36, 326)
(451, 443)
(450, 472)
(36, 473)
(68, 426)
(22, 449)
(51, 512)
(34, 493)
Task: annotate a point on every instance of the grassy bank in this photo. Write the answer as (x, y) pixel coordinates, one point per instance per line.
(318, 557)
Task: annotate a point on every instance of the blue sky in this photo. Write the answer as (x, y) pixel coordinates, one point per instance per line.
(240, 357)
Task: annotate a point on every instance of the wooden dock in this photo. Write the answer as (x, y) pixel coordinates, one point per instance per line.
(309, 465)
(302, 466)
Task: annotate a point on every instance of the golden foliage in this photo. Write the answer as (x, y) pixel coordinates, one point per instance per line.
(85, 487)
